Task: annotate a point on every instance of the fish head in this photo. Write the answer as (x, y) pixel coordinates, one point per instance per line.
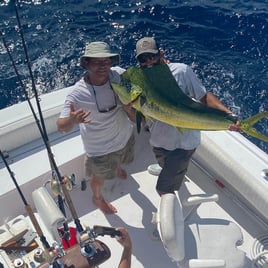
(127, 91)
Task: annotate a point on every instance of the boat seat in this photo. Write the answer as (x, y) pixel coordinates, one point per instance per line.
(200, 243)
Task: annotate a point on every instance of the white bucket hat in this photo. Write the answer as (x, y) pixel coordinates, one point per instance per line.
(99, 50)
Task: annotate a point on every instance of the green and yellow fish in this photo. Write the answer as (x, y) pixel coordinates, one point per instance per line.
(155, 93)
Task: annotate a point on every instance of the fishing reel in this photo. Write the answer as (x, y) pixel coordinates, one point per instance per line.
(56, 186)
(94, 250)
(89, 252)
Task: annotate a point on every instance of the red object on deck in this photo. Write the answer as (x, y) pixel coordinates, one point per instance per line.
(72, 240)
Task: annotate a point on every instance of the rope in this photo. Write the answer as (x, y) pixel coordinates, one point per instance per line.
(259, 252)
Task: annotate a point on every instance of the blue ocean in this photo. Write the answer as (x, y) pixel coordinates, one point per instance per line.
(224, 41)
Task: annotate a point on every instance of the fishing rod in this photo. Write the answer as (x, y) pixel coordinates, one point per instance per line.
(94, 251)
(42, 128)
(28, 208)
(65, 234)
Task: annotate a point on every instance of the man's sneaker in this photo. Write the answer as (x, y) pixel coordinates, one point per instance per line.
(154, 169)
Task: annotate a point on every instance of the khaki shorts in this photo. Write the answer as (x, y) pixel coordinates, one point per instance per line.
(105, 166)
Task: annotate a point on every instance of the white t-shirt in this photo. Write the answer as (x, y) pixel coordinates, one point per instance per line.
(107, 132)
(167, 136)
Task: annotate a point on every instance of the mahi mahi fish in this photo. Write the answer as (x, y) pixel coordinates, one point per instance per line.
(155, 93)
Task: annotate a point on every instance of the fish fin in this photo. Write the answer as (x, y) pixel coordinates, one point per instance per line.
(247, 126)
(142, 100)
(181, 130)
(139, 118)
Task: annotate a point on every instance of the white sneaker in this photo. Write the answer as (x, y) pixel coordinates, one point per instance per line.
(154, 169)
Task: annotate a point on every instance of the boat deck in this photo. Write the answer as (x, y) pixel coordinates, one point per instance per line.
(135, 199)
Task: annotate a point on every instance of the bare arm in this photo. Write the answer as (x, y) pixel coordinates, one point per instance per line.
(125, 241)
(76, 117)
(212, 101)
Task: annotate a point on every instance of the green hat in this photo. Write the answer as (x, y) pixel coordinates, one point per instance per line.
(99, 50)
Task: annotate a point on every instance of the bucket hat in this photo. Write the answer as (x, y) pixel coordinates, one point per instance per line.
(146, 45)
(99, 50)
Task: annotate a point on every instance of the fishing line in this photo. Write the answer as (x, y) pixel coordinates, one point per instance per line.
(42, 128)
(30, 72)
(45, 136)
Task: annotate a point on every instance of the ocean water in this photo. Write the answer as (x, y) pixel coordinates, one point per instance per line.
(224, 41)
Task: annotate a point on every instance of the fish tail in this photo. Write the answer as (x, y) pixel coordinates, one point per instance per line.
(247, 126)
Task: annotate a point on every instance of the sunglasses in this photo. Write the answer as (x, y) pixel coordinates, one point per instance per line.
(147, 56)
(108, 109)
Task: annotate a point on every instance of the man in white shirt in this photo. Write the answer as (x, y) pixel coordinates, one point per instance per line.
(105, 128)
(173, 149)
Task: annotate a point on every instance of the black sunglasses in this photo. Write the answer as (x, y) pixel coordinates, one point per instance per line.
(108, 109)
(147, 56)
